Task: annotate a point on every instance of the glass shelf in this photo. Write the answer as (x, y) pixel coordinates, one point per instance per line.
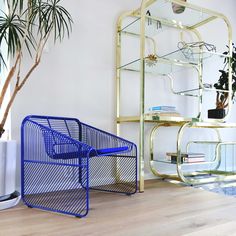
(211, 123)
(193, 122)
(161, 11)
(164, 161)
(171, 62)
(166, 118)
(191, 16)
(180, 55)
(183, 163)
(195, 91)
(152, 26)
(161, 67)
(158, 69)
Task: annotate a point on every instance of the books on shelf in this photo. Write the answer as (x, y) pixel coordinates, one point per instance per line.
(163, 111)
(186, 157)
(163, 114)
(184, 154)
(162, 108)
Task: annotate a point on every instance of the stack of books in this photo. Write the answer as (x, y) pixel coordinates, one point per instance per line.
(163, 111)
(186, 157)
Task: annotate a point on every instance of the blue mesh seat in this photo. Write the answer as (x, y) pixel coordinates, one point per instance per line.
(63, 158)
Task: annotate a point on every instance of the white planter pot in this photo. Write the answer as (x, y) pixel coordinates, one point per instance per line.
(8, 195)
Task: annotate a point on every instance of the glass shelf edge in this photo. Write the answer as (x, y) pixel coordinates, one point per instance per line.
(176, 62)
(212, 123)
(184, 163)
(160, 60)
(193, 122)
(149, 118)
(172, 22)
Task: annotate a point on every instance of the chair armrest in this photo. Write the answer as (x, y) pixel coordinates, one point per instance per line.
(99, 139)
(61, 146)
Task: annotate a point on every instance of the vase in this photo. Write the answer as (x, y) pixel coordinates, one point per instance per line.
(178, 8)
(8, 195)
(216, 113)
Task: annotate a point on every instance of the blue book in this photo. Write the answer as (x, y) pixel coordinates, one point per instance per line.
(162, 108)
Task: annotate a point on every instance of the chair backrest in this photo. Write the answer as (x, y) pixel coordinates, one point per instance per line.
(68, 126)
(57, 146)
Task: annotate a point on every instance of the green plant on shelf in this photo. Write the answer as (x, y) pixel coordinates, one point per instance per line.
(223, 82)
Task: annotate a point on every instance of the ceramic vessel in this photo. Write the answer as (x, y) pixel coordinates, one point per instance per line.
(8, 195)
(178, 8)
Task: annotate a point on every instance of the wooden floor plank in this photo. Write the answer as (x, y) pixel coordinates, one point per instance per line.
(163, 209)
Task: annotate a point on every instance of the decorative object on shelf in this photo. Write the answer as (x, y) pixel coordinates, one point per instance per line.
(151, 60)
(189, 50)
(148, 13)
(25, 27)
(159, 24)
(223, 85)
(178, 8)
(208, 86)
(218, 113)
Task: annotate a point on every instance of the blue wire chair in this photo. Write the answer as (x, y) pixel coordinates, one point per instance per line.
(63, 158)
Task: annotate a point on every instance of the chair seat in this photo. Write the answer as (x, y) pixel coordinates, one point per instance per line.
(94, 152)
(108, 151)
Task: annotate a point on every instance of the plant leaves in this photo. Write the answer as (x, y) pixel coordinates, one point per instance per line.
(22, 20)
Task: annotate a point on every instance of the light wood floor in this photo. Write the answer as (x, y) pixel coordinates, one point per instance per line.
(163, 209)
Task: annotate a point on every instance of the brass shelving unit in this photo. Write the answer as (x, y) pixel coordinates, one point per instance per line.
(136, 24)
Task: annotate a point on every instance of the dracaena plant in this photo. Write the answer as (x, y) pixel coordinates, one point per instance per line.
(223, 83)
(25, 28)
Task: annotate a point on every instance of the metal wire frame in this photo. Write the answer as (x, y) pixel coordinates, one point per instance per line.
(63, 158)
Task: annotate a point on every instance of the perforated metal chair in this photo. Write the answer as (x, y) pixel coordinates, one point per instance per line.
(63, 158)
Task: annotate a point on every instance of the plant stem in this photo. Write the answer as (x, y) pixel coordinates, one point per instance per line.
(8, 79)
(16, 90)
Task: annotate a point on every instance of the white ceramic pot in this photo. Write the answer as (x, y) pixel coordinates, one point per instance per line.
(8, 193)
(178, 8)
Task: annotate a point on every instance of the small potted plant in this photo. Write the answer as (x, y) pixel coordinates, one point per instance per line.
(223, 85)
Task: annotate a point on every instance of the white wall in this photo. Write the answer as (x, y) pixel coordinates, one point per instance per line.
(77, 78)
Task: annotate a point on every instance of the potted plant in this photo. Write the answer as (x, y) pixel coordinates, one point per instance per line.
(223, 85)
(25, 28)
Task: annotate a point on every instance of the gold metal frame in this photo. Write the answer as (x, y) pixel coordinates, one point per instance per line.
(140, 15)
(186, 177)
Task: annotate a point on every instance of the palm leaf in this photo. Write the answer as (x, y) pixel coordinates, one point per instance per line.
(14, 32)
(51, 17)
(2, 61)
(18, 25)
